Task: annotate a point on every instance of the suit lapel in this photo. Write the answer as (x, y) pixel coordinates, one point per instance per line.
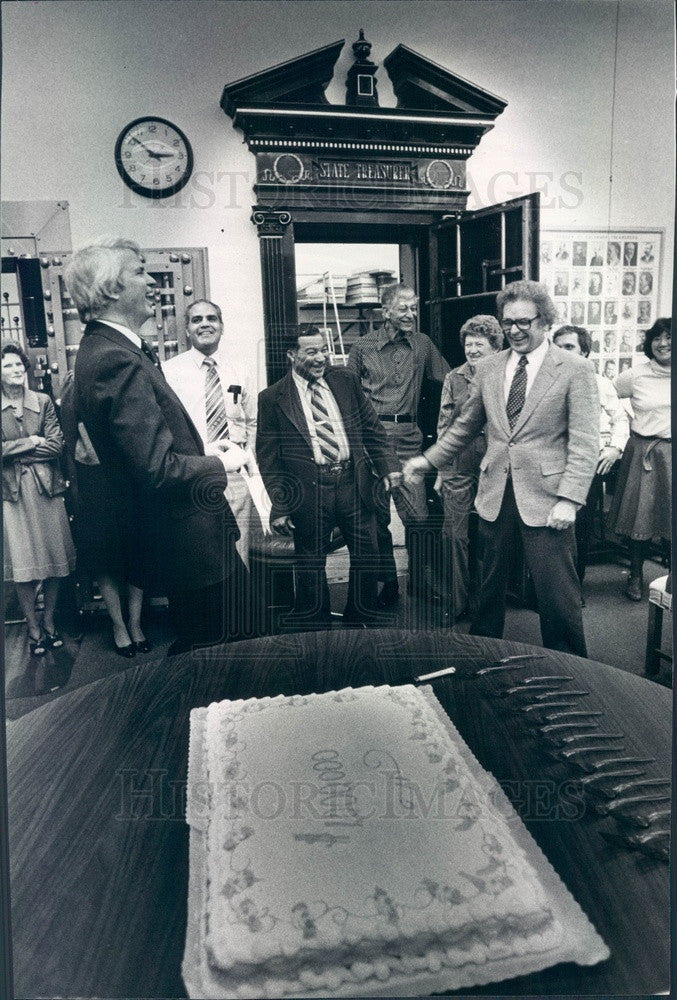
(337, 386)
(496, 392)
(544, 379)
(118, 338)
(340, 391)
(290, 404)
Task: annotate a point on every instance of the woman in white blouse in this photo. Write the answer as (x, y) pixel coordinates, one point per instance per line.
(642, 505)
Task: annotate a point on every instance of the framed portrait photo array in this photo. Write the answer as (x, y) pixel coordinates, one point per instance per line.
(608, 283)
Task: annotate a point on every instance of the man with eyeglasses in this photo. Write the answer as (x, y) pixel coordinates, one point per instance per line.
(541, 409)
(391, 363)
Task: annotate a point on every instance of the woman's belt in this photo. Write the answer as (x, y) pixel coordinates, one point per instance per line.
(649, 437)
(651, 443)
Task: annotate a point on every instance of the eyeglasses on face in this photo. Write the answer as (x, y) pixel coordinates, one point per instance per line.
(523, 324)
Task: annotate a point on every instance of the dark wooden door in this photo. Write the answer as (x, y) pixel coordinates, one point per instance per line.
(473, 256)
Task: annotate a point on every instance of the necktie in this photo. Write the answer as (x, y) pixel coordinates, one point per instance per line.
(518, 392)
(217, 422)
(326, 435)
(150, 353)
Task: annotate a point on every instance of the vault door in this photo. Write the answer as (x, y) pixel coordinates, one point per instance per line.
(476, 255)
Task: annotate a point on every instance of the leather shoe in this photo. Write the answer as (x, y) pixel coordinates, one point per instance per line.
(127, 651)
(142, 647)
(389, 595)
(633, 590)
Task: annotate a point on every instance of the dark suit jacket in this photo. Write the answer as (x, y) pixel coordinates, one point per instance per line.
(154, 461)
(285, 453)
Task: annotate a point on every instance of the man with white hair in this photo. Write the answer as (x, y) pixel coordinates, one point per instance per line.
(156, 467)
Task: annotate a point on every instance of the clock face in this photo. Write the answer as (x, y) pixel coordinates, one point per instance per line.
(153, 157)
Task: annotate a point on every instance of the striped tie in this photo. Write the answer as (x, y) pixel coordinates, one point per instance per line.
(217, 422)
(326, 436)
(518, 392)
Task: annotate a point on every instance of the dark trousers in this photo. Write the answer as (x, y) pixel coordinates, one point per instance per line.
(221, 612)
(551, 560)
(335, 503)
(585, 524)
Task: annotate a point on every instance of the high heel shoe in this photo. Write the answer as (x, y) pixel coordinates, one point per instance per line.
(38, 647)
(53, 639)
(128, 651)
(142, 647)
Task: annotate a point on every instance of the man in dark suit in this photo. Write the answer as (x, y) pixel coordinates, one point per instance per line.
(318, 439)
(541, 409)
(153, 459)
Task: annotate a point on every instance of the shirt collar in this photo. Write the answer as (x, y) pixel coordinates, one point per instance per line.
(129, 334)
(30, 401)
(537, 354)
(383, 338)
(303, 385)
(198, 358)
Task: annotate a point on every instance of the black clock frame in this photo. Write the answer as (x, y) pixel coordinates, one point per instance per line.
(148, 192)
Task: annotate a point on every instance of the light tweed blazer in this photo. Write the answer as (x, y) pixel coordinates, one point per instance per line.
(553, 448)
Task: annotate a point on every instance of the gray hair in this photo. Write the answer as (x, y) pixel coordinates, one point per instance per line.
(392, 292)
(483, 326)
(92, 275)
(207, 302)
(532, 291)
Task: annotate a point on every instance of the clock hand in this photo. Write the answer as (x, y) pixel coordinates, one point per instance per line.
(163, 156)
(156, 156)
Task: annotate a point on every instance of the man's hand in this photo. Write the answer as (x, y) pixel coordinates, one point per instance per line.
(393, 481)
(283, 525)
(415, 469)
(562, 515)
(250, 464)
(232, 459)
(215, 447)
(607, 458)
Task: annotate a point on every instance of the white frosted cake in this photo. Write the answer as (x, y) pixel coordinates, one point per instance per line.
(348, 845)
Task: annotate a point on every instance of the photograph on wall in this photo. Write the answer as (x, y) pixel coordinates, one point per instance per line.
(608, 283)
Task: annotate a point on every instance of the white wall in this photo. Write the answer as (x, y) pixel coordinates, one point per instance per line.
(74, 73)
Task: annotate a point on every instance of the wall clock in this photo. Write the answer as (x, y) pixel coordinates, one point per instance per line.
(153, 157)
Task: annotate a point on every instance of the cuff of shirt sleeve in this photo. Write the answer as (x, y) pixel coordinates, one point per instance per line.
(433, 457)
(576, 503)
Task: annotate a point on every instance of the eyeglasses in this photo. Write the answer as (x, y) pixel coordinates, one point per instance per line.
(522, 324)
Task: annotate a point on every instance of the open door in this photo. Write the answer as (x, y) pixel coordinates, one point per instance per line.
(474, 256)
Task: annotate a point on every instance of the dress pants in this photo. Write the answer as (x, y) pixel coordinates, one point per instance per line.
(411, 505)
(585, 524)
(240, 502)
(459, 490)
(221, 612)
(551, 558)
(335, 503)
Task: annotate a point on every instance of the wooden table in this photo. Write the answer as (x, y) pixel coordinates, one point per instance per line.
(99, 845)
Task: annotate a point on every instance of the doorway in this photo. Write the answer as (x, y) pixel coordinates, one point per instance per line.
(339, 286)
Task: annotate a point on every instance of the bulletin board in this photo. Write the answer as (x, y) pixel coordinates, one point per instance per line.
(608, 282)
